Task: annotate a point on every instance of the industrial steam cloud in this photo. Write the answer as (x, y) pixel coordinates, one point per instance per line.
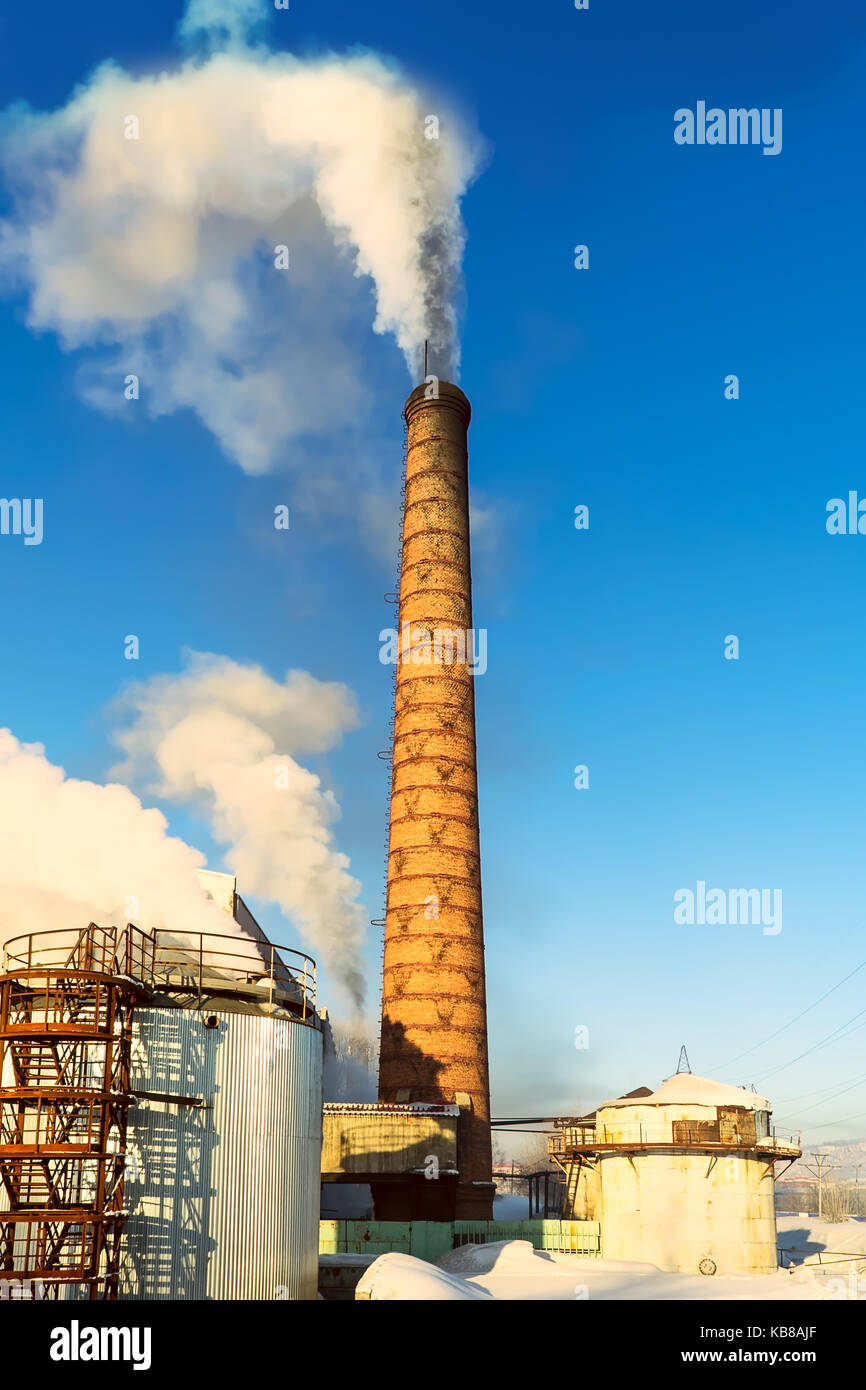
(221, 740)
(73, 851)
(147, 214)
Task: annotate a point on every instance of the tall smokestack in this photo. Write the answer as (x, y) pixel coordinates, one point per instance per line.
(434, 1013)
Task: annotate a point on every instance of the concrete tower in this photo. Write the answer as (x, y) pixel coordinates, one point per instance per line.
(434, 1014)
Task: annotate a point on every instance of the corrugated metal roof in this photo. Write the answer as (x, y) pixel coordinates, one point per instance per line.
(338, 1107)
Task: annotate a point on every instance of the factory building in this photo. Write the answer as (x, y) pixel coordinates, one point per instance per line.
(682, 1177)
(162, 1128)
(410, 1148)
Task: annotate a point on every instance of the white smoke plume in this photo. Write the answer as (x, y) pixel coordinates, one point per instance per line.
(350, 1072)
(222, 738)
(222, 22)
(147, 213)
(72, 852)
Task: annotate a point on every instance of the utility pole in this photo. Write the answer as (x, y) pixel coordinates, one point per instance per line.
(821, 1165)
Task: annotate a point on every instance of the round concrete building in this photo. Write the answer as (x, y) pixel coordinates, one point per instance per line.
(686, 1177)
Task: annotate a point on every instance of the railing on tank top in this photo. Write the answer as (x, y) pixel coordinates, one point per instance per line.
(198, 964)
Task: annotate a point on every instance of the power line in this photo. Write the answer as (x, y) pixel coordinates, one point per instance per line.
(828, 1097)
(825, 1042)
(818, 1171)
(791, 1021)
(820, 1090)
(829, 1123)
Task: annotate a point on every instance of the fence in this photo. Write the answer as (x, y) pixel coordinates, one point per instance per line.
(676, 1134)
(428, 1240)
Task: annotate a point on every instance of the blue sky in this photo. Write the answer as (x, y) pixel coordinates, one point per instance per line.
(602, 387)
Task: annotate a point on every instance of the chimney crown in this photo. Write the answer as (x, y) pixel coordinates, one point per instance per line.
(450, 397)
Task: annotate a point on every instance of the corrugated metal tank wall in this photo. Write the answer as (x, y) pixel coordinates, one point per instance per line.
(223, 1200)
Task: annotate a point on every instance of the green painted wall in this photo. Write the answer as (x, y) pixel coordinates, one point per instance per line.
(428, 1240)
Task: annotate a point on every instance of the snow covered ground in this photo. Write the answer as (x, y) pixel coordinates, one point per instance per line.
(513, 1270)
(805, 1239)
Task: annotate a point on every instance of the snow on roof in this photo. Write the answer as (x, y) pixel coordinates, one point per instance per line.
(687, 1089)
(335, 1107)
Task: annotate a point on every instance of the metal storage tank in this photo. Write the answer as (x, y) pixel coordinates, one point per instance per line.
(160, 1114)
(222, 1180)
(687, 1177)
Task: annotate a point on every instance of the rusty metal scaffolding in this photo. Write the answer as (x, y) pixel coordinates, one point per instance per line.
(66, 1008)
(65, 1021)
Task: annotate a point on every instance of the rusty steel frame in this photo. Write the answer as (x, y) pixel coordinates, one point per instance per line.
(766, 1147)
(65, 1029)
